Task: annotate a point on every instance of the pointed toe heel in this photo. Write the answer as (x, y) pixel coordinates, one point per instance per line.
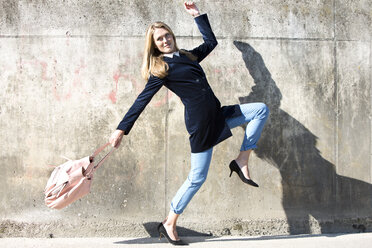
(163, 232)
(235, 167)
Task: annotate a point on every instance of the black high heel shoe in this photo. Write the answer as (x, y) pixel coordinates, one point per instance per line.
(163, 232)
(235, 167)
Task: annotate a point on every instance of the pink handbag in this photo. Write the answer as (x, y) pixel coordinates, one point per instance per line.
(72, 180)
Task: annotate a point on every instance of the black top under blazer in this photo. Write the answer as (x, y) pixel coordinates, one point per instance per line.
(204, 117)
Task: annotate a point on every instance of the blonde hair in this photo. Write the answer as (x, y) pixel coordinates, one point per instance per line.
(153, 62)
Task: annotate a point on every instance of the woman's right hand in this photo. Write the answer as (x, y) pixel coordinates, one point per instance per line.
(116, 138)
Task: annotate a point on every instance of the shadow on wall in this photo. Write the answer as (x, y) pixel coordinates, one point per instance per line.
(310, 184)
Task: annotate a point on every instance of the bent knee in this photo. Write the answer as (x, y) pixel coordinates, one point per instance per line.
(264, 111)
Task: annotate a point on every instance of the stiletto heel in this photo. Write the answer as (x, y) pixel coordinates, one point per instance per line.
(235, 167)
(163, 232)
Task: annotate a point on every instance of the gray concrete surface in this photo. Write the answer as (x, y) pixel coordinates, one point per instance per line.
(69, 71)
(324, 241)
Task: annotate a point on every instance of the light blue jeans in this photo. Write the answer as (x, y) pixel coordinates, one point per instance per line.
(255, 114)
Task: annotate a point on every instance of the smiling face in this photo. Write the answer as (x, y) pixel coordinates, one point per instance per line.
(164, 40)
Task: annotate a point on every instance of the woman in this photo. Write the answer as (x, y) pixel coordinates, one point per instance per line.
(206, 121)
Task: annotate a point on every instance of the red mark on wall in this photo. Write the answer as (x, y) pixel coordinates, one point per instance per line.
(120, 74)
(44, 67)
(138, 88)
(112, 94)
(77, 74)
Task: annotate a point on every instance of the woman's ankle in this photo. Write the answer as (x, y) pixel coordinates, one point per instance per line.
(241, 162)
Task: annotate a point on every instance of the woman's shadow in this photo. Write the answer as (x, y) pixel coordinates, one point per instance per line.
(311, 186)
(151, 228)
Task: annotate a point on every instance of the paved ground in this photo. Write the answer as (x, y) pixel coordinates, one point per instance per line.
(299, 241)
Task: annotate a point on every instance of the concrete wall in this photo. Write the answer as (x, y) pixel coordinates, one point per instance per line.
(69, 71)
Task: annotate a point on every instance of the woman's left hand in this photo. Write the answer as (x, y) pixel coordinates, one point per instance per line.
(191, 8)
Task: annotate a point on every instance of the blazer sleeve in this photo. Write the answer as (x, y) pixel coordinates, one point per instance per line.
(153, 85)
(210, 41)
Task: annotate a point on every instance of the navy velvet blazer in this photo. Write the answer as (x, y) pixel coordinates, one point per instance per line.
(204, 117)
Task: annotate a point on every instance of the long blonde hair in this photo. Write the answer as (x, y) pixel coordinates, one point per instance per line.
(153, 63)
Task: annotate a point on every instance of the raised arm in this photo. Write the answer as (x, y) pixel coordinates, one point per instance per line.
(210, 41)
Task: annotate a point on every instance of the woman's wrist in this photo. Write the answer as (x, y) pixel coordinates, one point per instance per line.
(196, 15)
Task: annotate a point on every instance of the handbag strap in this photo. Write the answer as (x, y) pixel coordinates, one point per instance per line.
(103, 159)
(92, 168)
(100, 149)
